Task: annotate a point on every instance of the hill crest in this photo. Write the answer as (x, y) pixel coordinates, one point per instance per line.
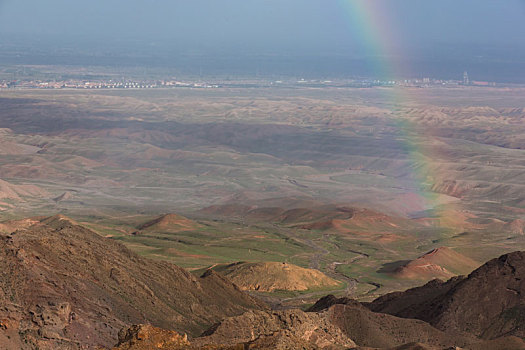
(442, 262)
(170, 223)
(271, 276)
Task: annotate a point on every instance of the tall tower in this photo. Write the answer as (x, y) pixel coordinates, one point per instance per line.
(466, 81)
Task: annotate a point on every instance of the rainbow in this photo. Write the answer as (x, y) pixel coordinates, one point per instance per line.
(376, 33)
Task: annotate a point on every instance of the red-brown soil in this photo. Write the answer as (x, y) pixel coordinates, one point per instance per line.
(441, 262)
(63, 286)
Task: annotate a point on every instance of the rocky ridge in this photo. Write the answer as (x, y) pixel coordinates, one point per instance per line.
(64, 286)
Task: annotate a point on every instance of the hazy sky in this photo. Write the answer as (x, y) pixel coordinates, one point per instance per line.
(266, 24)
(438, 38)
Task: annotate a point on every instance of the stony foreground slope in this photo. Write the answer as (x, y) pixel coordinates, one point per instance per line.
(489, 303)
(283, 329)
(62, 286)
(340, 326)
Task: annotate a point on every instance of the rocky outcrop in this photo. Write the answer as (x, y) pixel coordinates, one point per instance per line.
(310, 330)
(330, 300)
(488, 303)
(62, 285)
(146, 337)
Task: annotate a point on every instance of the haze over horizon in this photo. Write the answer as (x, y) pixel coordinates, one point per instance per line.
(294, 37)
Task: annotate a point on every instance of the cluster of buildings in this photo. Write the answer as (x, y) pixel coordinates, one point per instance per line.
(152, 84)
(99, 84)
(427, 82)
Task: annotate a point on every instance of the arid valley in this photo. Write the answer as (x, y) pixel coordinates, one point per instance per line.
(267, 198)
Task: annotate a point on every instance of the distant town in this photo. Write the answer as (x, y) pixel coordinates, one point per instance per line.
(220, 83)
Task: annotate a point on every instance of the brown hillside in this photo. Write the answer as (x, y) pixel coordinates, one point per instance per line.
(170, 223)
(13, 148)
(441, 262)
(308, 215)
(488, 303)
(62, 285)
(333, 321)
(10, 191)
(403, 303)
(330, 329)
(503, 343)
(372, 329)
(365, 218)
(9, 226)
(270, 276)
(58, 221)
(146, 337)
(330, 300)
(452, 188)
(516, 226)
(378, 331)
(416, 346)
(225, 210)
(267, 333)
(289, 329)
(64, 196)
(338, 218)
(506, 343)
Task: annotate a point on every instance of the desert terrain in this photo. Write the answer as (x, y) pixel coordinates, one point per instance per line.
(348, 181)
(291, 193)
